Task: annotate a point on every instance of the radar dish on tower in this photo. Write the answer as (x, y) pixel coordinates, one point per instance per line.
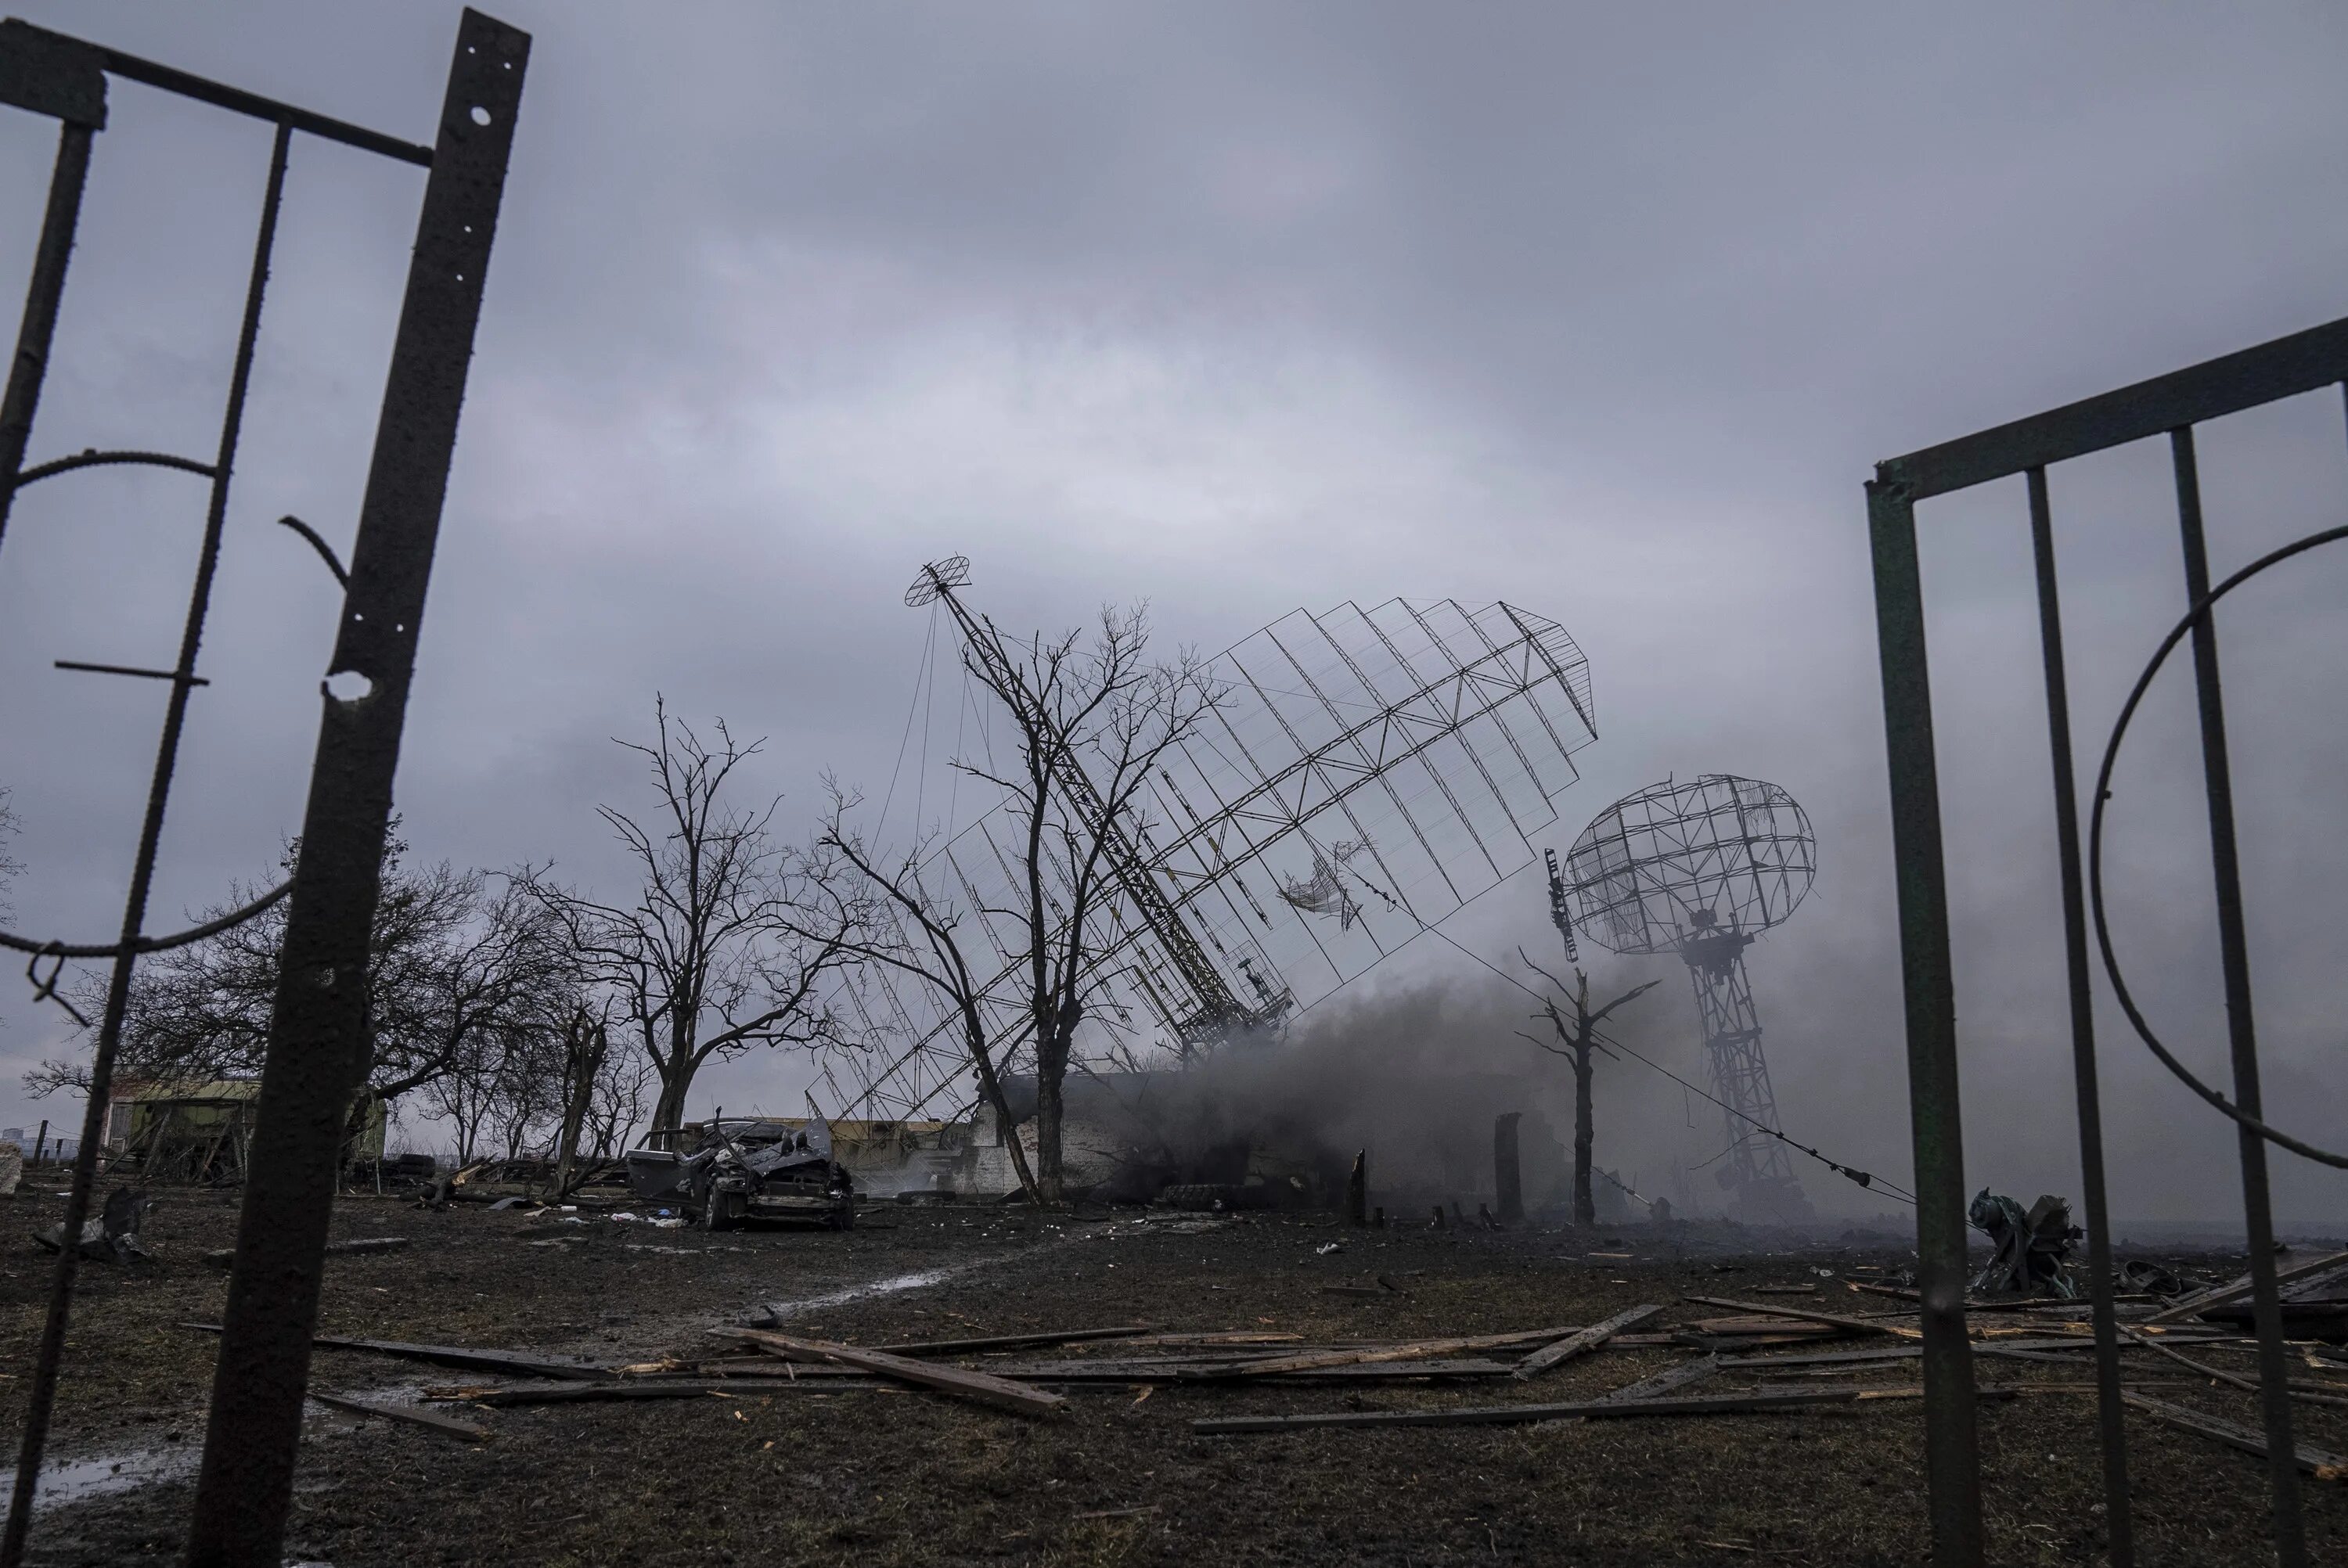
(1700, 869)
(1718, 853)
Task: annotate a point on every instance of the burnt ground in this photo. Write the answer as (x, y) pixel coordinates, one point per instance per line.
(881, 1477)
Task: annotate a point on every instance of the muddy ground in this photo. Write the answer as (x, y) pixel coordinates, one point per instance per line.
(880, 1477)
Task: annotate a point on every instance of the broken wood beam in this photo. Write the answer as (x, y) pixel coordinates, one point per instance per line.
(1010, 1341)
(1853, 1325)
(983, 1388)
(2241, 1287)
(560, 1393)
(521, 1363)
(1404, 1350)
(1520, 1415)
(2297, 1390)
(1664, 1381)
(430, 1420)
(2322, 1466)
(1575, 1344)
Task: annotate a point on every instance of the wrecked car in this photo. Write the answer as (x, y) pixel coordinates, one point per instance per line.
(732, 1169)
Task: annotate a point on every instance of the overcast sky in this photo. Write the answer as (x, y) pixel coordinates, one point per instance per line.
(1606, 310)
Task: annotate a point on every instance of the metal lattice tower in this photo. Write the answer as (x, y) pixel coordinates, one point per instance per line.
(1370, 771)
(1700, 869)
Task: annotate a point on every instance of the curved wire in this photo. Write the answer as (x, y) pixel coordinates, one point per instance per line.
(2095, 851)
(94, 458)
(325, 551)
(147, 944)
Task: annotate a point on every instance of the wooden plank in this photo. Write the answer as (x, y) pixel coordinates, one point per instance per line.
(521, 1363)
(1589, 1339)
(2235, 1292)
(1587, 1409)
(1855, 1324)
(986, 1390)
(2315, 1461)
(1010, 1341)
(1664, 1381)
(1755, 1328)
(430, 1420)
(1091, 1372)
(1404, 1350)
(2237, 1380)
(558, 1393)
(1521, 1415)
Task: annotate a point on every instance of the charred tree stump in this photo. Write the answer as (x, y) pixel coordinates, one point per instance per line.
(1508, 1181)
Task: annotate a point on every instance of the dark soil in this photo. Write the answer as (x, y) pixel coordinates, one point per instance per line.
(884, 1477)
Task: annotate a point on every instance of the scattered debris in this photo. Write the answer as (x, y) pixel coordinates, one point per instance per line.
(2149, 1277)
(2201, 1301)
(2033, 1247)
(1002, 1341)
(2298, 1390)
(1413, 1349)
(111, 1236)
(430, 1420)
(1850, 1325)
(2315, 1461)
(1586, 1339)
(982, 1387)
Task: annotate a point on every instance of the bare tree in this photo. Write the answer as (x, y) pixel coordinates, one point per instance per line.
(10, 867)
(896, 921)
(715, 954)
(1575, 1043)
(458, 962)
(1091, 717)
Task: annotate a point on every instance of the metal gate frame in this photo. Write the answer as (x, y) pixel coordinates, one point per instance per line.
(2168, 405)
(318, 1039)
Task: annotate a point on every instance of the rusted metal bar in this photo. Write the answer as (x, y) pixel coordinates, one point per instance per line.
(318, 1034)
(2289, 1526)
(2284, 367)
(236, 100)
(2110, 1421)
(42, 297)
(1952, 1441)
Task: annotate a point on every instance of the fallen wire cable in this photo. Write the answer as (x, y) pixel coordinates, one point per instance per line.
(1849, 1173)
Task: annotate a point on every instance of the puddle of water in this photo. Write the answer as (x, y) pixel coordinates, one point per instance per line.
(77, 1481)
(103, 1475)
(889, 1286)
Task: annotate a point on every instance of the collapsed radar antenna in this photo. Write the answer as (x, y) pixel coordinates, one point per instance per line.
(1700, 869)
(937, 578)
(1561, 912)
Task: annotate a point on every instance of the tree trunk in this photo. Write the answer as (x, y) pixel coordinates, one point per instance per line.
(588, 1049)
(1585, 1206)
(669, 1111)
(1051, 1073)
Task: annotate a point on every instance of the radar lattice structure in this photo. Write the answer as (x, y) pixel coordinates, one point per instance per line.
(1700, 869)
(1369, 771)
